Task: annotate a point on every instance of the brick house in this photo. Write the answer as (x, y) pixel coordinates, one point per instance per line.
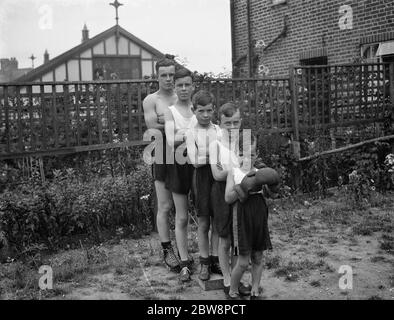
(270, 35)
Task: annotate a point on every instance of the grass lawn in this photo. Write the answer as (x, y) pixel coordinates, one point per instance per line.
(311, 240)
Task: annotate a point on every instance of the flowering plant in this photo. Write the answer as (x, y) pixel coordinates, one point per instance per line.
(389, 164)
(359, 188)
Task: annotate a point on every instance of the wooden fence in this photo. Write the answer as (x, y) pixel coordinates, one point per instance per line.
(67, 117)
(330, 96)
(60, 117)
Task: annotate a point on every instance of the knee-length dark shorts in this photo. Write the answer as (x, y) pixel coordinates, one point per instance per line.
(253, 233)
(202, 185)
(159, 172)
(159, 169)
(179, 177)
(222, 214)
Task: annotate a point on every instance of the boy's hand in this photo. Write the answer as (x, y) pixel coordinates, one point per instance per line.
(160, 118)
(241, 194)
(271, 192)
(181, 135)
(219, 166)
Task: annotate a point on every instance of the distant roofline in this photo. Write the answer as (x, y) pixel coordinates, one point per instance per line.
(55, 62)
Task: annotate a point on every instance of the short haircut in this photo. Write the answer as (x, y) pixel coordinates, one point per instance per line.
(182, 73)
(166, 61)
(229, 109)
(203, 98)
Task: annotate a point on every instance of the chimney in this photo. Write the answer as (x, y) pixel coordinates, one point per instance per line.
(46, 56)
(85, 33)
(8, 64)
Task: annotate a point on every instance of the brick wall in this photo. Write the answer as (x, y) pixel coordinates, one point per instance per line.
(312, 26)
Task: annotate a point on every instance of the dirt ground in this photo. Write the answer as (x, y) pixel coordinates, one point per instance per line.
(311, 240)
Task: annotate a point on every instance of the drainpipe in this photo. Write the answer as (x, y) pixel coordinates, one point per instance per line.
(232, 37)
(250, 49)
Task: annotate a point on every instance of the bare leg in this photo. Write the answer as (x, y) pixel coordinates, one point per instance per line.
(214, 240)
(234, 258)
(224, 259)
(181, 220)
(257, 270)
(237, 273)
(164, 205)
(203, 239)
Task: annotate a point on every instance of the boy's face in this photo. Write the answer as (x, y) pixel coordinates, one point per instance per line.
(184, 88)
(166, 77)
(230, 123)
(247, 157)
(204, 114)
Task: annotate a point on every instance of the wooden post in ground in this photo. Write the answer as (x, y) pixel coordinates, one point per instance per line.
(154, 216)
(391, 81)
(42, 172)
(295, 124)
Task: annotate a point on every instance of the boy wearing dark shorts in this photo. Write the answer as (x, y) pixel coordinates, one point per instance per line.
(222, 159)
(178, 119)
(198, 140)
(155, 105)
(250, 221)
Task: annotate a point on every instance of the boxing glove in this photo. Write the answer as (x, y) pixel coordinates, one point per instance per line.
(254, 181)
(267, 176)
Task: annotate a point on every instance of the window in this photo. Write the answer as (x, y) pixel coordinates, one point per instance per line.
(368, 52)
(388, 58)
(386, 51)
(111, 68)
(378, 52)
(316, 61)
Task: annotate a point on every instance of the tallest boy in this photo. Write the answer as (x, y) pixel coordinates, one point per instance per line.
(155, 105)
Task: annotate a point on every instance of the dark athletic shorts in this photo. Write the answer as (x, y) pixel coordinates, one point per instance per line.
(159, 170)
(222, 212)
(202, 185)
(179, 177)
(253, 233)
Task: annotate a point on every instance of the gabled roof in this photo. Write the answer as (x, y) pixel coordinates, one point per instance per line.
(55, 62)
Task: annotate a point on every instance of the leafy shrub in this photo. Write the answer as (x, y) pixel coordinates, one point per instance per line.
(67, 205)
(362, 171)
(275, 151)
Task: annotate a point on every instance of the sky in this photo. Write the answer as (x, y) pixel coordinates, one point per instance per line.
(198, 31)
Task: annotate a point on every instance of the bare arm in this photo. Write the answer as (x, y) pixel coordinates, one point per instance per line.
(192, 152)
(191, 148)
(230, 195)
(174, 138)
(150, 115)
(218, 171)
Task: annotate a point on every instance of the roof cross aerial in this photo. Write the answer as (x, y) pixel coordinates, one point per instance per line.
(32, 60)
(116, 4)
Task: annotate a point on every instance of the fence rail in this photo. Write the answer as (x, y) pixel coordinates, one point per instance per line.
(39, 118)
(338, 96)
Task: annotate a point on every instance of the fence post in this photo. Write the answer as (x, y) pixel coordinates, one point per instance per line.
(295, 124)
(155, 209)
(391, 77)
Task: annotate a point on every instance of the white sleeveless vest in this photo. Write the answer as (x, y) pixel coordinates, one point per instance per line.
(180, 121)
